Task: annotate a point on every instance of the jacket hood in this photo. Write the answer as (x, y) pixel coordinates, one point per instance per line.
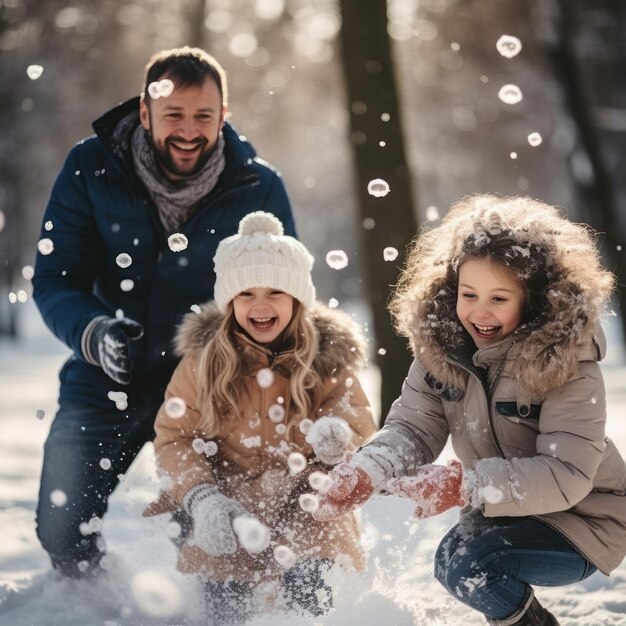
(341, 344)
(562, 329)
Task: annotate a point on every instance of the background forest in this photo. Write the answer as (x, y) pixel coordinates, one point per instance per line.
(336, 93)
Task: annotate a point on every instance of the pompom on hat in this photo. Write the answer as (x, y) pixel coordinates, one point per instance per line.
(260, 255)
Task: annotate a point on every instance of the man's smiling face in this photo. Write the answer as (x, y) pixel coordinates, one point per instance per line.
(183, 128)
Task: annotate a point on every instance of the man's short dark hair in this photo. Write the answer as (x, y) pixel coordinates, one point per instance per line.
(186, 67)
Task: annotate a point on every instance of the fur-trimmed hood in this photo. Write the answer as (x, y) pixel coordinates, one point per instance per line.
(341, 344)
(570, 295)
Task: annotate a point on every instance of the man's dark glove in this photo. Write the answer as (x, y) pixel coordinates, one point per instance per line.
(106, 343)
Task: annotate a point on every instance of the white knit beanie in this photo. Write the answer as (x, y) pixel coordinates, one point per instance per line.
(260, 255)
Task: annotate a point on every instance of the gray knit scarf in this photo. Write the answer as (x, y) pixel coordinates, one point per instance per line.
(175, 202)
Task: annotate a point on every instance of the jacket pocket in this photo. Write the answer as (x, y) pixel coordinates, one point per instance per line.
(445, 392)
(517, 412)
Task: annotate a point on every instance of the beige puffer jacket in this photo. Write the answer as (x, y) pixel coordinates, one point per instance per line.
(528, 412)
(251, 461)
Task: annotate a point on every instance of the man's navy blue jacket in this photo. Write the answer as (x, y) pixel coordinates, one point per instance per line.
(99, 209)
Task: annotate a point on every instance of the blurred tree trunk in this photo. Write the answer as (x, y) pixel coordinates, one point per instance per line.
(372, 100)
(589, 54)
(196, 15)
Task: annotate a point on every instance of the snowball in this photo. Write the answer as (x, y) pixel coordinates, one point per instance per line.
(305, 425)
(378, 187)
(177, 242)
(308, 502)
(510, 94)
(284, 556)
(58, 497)
(265, 377)
(337, 259)
(105, 464)
(45, 246)
(297, 462)
(276, 413)
(320, 482)
(120, 398)
(508, 46)
(123, 260)
(252, 534)
(175, 407)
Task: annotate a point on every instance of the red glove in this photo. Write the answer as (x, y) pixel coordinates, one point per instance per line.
(435, 488)
(350, 488)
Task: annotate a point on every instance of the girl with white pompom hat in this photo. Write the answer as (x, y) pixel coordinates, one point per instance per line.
(267, 377)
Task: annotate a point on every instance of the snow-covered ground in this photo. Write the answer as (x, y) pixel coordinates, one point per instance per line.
(142, 588)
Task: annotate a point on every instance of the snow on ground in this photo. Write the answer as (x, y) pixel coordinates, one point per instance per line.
(143, 589)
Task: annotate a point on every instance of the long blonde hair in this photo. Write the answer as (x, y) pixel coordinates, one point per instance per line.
(222, 372)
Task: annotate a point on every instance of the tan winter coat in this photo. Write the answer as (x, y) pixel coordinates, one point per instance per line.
(251, 460)
(528, 412)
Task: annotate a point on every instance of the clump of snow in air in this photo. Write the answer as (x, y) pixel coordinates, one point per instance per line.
(156, 594)
(210, 448)
(535, 139)
(296, 462)
(34, 71)
(123, 260)
(175, 408)
(160, 88)
(281, 429)
(510, 94)
(509, 46)
(253, 535)
(378, 188)
(305, 425)
(195, 308)
(320, 482)
(390, 254)
(276, 413)
(94, 525)
(513, 155)
(432, 213)
(337, 259)
(12, 297)
(177, 242)
(105, 464)
(382, 351)
(251, 442)
(28, 272)
(48, 226)
(58, 497)
(369, 223)
(265, 378)
(127, 284)
(308, 502)
(120, 398)
(45, 246)
(333, 303)
(198, 445)
(284, 556)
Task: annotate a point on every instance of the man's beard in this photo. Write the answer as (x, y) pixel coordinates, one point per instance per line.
(165, 160)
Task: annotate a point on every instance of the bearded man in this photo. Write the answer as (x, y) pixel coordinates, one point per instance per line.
(126, 249)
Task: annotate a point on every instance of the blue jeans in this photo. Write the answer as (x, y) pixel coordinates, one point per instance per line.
(491, 563)
(303, 588)
(88, 429)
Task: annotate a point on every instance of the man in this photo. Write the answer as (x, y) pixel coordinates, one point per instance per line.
(132, 225)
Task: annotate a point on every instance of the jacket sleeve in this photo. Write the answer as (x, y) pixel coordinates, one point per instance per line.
(64, 279)
(179, 466)
(347, 400)
(416, 429)
(570, 447)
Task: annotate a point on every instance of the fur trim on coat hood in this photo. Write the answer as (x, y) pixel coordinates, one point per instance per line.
(555, 259)
(341, 344)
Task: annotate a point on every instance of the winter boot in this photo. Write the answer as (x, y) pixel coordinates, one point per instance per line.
(532, 614)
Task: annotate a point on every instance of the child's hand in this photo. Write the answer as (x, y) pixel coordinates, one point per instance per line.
(213, 514)
(436, 488)
(330, 438)
(350, 487)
